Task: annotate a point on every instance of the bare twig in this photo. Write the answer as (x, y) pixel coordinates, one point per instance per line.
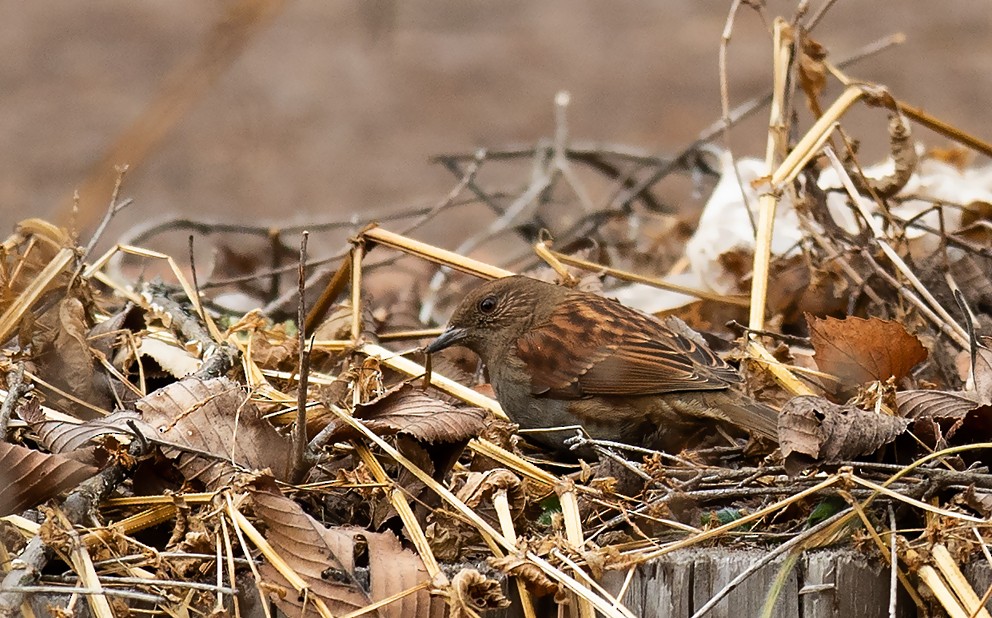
(300, 463)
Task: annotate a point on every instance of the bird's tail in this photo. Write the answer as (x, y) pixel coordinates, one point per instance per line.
(741, 411)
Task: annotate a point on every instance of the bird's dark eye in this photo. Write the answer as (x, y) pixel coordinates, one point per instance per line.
(487, 304)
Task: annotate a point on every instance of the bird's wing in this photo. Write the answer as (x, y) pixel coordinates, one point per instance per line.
(590, 345)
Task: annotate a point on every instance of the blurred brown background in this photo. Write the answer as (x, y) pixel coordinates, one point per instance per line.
(335, 106)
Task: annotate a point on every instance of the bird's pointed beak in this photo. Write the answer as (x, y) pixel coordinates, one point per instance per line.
(451, 336)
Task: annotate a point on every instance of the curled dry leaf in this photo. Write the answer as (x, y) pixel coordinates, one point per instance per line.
(29, 477)
(219, 425)
(481, 487)
(70, 363)
(328, 558)
(856, 350)
(175, 360)
(533, 577)
(813, 430)
(979, 500)
(109, 335)
(472, 593)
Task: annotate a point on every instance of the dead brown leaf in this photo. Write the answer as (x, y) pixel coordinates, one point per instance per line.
(69, 363)
(813, 430)
(29, 477)
(410, 411)
(857, 351)
(219, 425)
(330, 561)
(79, 441)
(916, 404)
(538, 584)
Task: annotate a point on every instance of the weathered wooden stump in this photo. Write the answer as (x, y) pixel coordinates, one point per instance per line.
(829, 583)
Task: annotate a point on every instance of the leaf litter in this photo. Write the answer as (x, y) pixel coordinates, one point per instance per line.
(175, 454)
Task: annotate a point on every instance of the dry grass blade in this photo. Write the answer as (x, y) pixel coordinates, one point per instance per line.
(402, 506)
(913, 501)
(801, 154)
(643, 556)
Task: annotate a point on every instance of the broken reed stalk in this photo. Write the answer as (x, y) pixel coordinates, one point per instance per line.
(94, 270)
(873, 533)
(357, 253)
(611, 610)
(398, 499)
(948, 567)
(434, 254)
(740, 301)
(242, 524)
(505, 517)
(798, 157)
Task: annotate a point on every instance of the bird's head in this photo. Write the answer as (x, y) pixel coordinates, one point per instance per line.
(495, 314)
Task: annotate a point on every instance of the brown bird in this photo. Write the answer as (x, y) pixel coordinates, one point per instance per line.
(560, 357)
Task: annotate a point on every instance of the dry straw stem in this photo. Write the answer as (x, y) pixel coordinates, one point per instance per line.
(230, 509)
(398, 499)
(929, 576)
(514, 462)
(434, 254)
(931, 122)
(610, 608)
(878, 489)
(241, 523)
(469, 396)
(502, 505)
(404, 365)
(357, 253)
(881, 489)
(26, 299)
(706, 535)
(781, 56)
(543, 250)
(959, 335)
(741, 301)
(805, 539)
(188, 289)
(948, 567)
(129, 525)
(806, 149)
(573, 534)
(82, 565)
(873, 533)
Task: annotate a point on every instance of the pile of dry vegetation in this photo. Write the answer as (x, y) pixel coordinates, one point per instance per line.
(164, 451)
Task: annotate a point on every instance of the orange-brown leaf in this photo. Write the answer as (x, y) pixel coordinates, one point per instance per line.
(856, 350)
